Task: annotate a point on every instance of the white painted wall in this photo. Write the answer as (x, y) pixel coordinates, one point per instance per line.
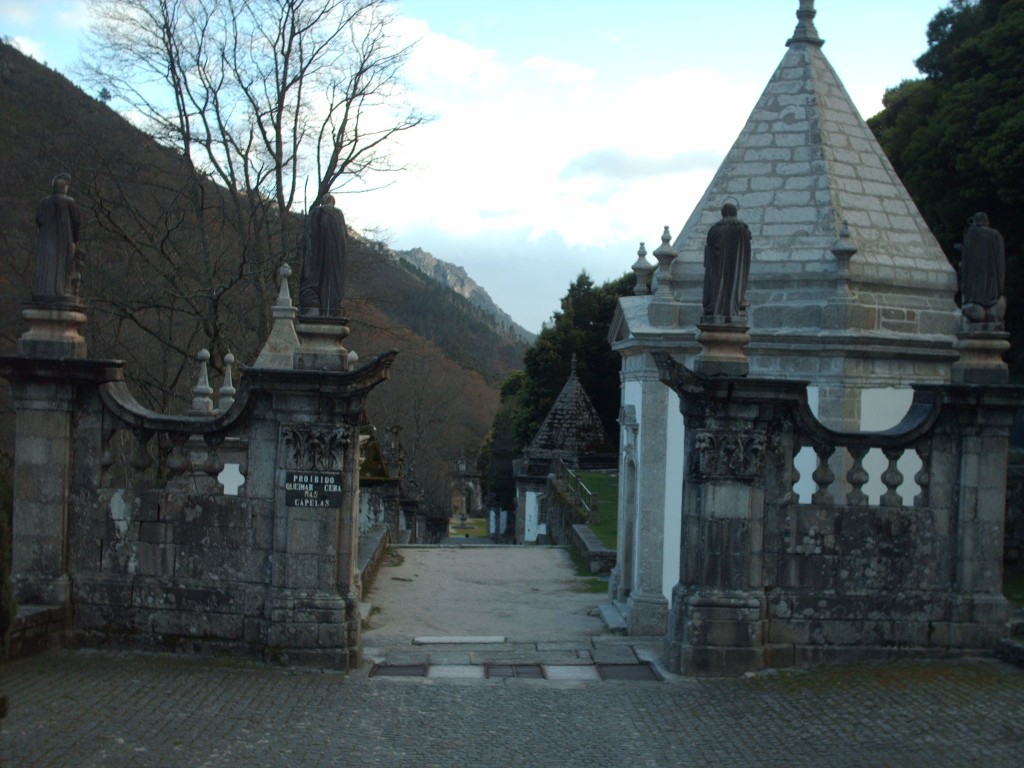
(531, 515)
(673, 496)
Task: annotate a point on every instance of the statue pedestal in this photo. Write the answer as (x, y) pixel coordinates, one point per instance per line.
(722, 349)
(981, 355)
(54, 331)
(320, 344)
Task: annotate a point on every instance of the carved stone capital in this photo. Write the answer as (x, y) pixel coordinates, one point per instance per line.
(728, 453)
(310, 447)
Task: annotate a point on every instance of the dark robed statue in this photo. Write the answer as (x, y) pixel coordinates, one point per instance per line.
(59, 225)
(726, 267)
(322, 283)
(983, 272)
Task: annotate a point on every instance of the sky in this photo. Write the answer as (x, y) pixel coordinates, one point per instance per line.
(566, 132)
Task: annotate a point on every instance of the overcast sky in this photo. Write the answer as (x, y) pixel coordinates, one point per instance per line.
(567, 131)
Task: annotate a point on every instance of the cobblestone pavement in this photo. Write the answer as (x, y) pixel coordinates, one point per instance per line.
(94, 708)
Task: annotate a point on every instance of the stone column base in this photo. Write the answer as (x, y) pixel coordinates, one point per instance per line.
(714, 633)
(722, 349)
(648, 615)
(981, 357)
(320, 344)
(54, 331)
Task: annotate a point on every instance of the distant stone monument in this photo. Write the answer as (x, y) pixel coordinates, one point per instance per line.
(322, 283)
(726, 267)
(59, 223)
(983, 273)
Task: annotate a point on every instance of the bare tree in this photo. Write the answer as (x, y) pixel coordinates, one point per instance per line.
(261, 99)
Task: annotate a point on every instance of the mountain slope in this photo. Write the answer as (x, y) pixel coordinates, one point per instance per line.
(456, 278)
(155, 298)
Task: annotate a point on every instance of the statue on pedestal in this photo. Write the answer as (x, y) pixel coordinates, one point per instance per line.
(322, 282)
(726, 267)
(983, 273)
(59, 224)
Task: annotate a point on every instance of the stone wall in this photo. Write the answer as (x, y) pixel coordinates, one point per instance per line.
(768, 581)
(132, 531)
(1013, 540)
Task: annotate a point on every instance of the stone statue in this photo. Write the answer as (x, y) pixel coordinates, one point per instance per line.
(322, 282)
(983, 273)
(726, 267)
(59, 225)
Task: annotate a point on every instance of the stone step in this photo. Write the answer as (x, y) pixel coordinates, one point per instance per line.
(613, 616)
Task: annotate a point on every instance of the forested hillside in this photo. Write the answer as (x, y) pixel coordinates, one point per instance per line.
(159, 286)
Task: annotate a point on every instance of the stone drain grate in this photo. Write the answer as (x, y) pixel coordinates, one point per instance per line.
(642, 672)
(531, 671)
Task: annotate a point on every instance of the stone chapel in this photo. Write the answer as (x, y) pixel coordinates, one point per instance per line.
(848, 290)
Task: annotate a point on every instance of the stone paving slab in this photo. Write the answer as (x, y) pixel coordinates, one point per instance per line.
(459, 640)
(457, 671)
(579, 672)
(614, 655)
(90, 709)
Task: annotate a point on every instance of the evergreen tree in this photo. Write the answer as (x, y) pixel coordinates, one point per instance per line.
(956, 136)
(579, 328)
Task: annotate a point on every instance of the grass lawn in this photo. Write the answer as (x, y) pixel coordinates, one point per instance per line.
(474, 526)
(605, 485)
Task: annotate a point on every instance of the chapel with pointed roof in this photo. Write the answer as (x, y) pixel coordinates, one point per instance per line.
(848, 290)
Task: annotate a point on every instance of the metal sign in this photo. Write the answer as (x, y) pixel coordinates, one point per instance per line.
(313, 489)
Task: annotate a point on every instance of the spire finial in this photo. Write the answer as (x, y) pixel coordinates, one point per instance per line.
(573, 373)
(805, 31)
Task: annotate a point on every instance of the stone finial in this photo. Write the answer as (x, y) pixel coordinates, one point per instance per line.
(227, 390)
(805, 31)
(642, 269)
(844, 249)
(202, 403)
(284, 296)
(666, 255)
(572, 366)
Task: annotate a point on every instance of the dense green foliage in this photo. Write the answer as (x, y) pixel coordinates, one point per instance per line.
(956, 136)
(579, 328)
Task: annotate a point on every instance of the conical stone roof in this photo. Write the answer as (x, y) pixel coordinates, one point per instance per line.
(804, 163)
(572, 427)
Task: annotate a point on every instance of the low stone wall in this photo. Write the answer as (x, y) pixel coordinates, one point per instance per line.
(184, 571)
(595, 554)
(373, 545)
(37, 629)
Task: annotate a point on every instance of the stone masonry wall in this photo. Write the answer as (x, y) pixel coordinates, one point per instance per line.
(174, 568)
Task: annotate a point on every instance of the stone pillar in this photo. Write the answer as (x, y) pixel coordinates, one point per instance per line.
(620, 583)
(42, 472)
(718, 617)
(43, 390)
(646, 605)
(984, 419)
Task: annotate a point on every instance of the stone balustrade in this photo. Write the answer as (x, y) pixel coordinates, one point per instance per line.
(769, 579)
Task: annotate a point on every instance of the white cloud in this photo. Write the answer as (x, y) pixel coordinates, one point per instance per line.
(75, 16)
(29, 47)
(19, 11)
